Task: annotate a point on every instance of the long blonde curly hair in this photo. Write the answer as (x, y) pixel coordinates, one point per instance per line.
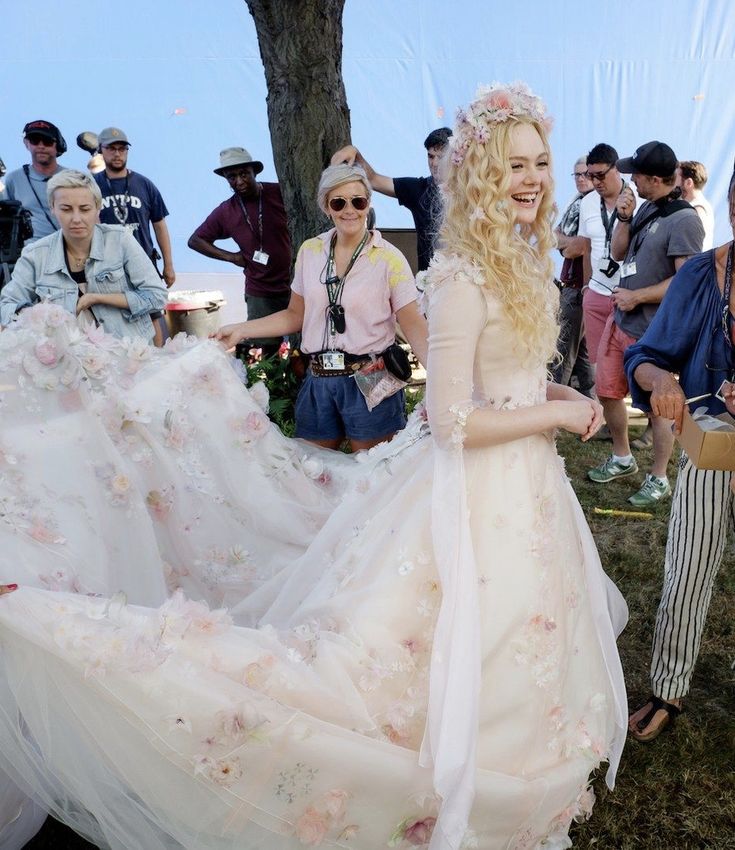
(479, 226)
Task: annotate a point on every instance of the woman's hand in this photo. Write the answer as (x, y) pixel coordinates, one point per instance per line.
(578, 417)
(727, 391)
(230, 335)
(89, 299)
(7, 588)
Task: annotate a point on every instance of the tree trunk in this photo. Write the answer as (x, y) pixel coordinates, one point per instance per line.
(301, 48)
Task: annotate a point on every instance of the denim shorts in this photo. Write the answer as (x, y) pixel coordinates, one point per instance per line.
(328, 408)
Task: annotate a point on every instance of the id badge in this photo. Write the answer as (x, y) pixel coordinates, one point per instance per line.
(628, 269)
(333, 360)
(260, 257)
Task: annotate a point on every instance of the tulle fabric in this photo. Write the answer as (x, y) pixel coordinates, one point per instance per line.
(173, 727)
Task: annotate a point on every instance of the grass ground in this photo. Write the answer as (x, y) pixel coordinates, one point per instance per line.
(677, 793)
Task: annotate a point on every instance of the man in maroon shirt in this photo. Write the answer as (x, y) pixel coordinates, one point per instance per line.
(255, 218)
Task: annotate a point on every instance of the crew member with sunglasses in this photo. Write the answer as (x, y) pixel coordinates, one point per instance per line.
(650, 245)
(28, 183)
(691, 335)
(350, 287)
(255, 218)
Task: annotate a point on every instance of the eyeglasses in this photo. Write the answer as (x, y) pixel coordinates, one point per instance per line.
(578, 174)
(40, 140)
(359, 203)
(599, 175)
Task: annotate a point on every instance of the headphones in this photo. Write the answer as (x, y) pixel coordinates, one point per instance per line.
(61, 146)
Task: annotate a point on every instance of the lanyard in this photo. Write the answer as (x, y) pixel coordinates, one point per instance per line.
(260, 217)
(335, 286)
(608, 222)
(121, 213)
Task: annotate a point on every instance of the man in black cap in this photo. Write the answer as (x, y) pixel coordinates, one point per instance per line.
(28, 184)
(256, 219)
(651, 245)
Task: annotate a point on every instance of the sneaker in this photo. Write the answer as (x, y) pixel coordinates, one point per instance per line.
(651, 492)
(611, 469)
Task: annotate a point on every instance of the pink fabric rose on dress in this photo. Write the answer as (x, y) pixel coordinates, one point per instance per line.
(419, 832)
(256, 424)
(311, 828)
(47, 353)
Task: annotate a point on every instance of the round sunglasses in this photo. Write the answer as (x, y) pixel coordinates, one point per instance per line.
(359, 203)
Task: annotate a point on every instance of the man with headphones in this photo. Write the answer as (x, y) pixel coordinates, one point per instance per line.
(28, 184)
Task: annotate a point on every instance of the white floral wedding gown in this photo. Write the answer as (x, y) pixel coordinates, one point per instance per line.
(449, 629)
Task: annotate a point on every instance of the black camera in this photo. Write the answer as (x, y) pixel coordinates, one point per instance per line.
(612, 268)
(15, 228)
(337, 318)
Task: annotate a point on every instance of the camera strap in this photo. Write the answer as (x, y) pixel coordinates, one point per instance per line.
(608, 221)
(27, 172)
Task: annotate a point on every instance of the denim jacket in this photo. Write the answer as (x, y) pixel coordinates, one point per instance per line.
(116, 264)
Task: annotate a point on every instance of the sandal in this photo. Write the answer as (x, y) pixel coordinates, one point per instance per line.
(657, 704)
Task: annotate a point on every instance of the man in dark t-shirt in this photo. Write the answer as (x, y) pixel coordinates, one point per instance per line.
(255, 218)
(132, 200)
(420, 195)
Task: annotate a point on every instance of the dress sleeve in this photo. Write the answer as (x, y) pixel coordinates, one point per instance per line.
(457, 316)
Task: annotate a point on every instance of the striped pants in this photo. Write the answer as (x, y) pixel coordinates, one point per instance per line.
(702, 510)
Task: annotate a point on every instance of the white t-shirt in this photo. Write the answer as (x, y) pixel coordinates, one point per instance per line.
(707, 214)
(591, 226)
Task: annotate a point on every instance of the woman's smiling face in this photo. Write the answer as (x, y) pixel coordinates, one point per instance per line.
(529, 164)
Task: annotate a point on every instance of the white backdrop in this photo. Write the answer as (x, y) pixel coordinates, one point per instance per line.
(184, 79)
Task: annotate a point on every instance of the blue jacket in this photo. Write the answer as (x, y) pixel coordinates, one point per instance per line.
(686, 336)
(116, 263)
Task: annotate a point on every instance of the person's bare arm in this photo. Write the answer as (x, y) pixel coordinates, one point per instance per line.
(667, 396)
(283, 322)
(621, 235)
(209, 249)
(414, 328)
(160, 228)
(352, 156)
(572, 246)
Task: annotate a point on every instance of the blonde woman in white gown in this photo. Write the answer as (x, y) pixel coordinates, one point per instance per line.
(437, 669)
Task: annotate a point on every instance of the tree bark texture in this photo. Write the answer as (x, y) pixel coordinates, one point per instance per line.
(301, 47)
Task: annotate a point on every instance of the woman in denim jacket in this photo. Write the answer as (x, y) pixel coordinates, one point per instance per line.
(91, 269)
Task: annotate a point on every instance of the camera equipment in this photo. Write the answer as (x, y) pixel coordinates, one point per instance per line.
(337, 318)
(611, 269)
(88, 141)
(15, 228)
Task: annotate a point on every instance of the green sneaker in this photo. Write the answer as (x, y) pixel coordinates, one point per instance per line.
(651, 492)
(611, 469)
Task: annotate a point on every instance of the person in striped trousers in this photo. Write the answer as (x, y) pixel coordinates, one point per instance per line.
(691, 335)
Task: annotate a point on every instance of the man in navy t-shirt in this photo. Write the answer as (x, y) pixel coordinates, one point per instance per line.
(133, 201)
(420, 195)
(130, 199)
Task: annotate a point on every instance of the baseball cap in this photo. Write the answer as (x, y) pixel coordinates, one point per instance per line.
(42, 128)
(110, 135)
(655, 159)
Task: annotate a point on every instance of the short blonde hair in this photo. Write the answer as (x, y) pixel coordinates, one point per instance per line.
(337, 175)
(71, 179)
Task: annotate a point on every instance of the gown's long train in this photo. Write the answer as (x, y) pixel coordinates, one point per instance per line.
(172, 727)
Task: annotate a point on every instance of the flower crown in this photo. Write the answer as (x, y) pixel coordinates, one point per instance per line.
(494, 104)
